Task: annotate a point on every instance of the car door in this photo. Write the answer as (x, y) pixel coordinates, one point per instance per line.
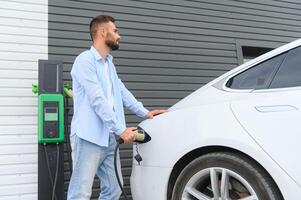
(272, 114)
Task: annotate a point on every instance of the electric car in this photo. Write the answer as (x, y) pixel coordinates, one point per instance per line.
(236, 138)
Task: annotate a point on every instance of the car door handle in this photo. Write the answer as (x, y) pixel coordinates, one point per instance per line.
(275, 108)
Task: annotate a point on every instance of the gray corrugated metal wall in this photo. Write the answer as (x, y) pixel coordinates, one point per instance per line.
(171, 48)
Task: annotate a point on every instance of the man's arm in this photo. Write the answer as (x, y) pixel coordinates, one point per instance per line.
(131, 103)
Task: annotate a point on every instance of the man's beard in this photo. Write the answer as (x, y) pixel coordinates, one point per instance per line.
(113, 45)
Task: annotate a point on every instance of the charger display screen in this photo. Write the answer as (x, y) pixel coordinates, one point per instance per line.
(51, 114)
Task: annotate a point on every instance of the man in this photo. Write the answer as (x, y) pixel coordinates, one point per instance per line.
(99, 97)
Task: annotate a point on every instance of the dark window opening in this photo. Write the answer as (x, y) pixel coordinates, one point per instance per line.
(252, 52)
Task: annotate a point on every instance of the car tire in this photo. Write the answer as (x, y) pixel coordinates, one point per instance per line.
(225, 176)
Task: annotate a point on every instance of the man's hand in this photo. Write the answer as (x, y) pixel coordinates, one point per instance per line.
(128, 135)
(151, 114)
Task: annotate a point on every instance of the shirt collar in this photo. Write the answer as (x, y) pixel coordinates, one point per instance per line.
(98, 57)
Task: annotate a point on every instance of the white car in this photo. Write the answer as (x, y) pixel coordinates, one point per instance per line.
(238, 137)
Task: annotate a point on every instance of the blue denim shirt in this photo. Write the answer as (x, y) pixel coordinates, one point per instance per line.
(93, 119)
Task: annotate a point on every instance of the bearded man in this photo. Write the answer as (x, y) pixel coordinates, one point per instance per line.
(99, 98)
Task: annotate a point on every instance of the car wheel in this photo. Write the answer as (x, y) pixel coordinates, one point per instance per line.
(224, 176)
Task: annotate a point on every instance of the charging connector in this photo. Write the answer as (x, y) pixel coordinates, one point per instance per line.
(140, 137)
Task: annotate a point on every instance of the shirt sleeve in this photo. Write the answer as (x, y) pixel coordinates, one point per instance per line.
(85, 73)
(131, 103)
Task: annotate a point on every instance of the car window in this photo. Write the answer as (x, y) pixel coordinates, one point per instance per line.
(257, 77)
(289, 73)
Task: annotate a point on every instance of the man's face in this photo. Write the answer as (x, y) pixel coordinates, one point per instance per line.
(112, 37)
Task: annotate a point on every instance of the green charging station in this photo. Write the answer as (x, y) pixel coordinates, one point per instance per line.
(51, 118)
(51, 136)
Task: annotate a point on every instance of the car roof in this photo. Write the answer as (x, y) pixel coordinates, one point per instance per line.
(218, 82)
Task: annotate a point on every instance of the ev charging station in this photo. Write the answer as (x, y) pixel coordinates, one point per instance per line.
(50, 130)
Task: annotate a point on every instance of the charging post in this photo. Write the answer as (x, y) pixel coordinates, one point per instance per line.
(50, 130)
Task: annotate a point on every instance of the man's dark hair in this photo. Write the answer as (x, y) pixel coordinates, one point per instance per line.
(96, 21)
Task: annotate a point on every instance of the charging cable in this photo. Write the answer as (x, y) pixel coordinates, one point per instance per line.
(53, 182)
(140, 137)
(119, 141)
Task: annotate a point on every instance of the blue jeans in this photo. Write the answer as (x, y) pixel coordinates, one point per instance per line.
(89, 160)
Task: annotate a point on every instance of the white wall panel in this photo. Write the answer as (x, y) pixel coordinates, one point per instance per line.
(13, 150)
(18, 130)
(18, 159)
(17, 92)
(16, 83)
(10, 190)
(14, 64)
(20, 197)
(17, 139)
(23, 40)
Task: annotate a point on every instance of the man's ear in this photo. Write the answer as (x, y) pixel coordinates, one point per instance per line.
(102, 31)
